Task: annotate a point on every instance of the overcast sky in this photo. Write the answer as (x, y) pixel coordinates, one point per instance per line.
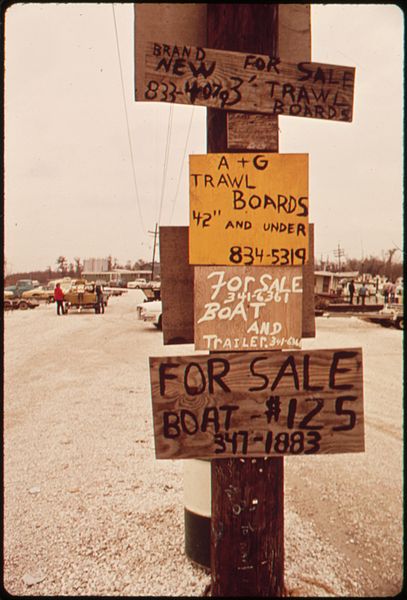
(75, 186)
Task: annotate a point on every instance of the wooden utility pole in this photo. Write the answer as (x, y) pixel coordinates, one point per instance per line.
(339, 253)
(247, 537)
(154, 245)
(229, 73)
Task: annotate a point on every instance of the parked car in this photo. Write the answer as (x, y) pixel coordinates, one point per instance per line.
(394, 314)
(43, 292)
(113, 291)
(151, 312)
(65, 283)
(137, 284)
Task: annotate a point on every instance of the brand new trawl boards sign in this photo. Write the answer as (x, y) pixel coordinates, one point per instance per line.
(246, 82)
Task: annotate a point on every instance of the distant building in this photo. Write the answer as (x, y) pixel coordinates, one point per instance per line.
(96, 265)
(328, 282)
(115, 276)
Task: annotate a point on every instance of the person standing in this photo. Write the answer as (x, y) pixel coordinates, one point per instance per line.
(386, 292)
(59, 299)
(99, 294)
(363, 293)
(392, 292)
(351, 288)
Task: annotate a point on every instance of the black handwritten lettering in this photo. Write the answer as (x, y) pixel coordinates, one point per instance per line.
(218, 377)
(206, 78)
(301, 202)
(163, 375)
(295, 110)
(202, 69)
(164, 64)
(338, 356)
(304, 424)
(229, 409)
(189, 422)
(289, 362)
(341, 411)
(210, 417)
(260, 64)
(194, 390)
(304, 69)
(288, 89)
(260, 375)
(260, 162)
(171, 424)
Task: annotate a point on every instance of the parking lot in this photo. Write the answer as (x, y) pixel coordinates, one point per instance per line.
(89, 510)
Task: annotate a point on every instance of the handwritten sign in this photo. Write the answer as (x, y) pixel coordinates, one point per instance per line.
(247, 82)
(244, 404)
(248, 209)
(185, 22)
(177, 287)
(248, 308)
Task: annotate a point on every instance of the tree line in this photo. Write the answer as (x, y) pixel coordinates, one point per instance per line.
(65, 268)
(388, 266)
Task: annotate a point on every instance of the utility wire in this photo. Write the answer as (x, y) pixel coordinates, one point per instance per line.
(127, 123)
(182, 164)
(167, 147)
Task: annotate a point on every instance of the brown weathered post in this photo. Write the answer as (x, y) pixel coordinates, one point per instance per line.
(247, 526)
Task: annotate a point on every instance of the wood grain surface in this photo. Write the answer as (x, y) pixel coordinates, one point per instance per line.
(241, 81)
(226, 404)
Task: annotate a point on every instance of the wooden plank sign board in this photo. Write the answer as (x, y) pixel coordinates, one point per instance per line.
(248, 209)
(183, 22)
(246, 82)
(177, 287)
(258, 404)
(248, 308)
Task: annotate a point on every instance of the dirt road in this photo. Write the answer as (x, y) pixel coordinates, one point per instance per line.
(89, 510)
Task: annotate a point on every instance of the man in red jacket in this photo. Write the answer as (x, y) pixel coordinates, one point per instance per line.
(59, 299)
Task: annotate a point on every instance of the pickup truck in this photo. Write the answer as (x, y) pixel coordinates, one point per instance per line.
(22, 285)
(81, 296)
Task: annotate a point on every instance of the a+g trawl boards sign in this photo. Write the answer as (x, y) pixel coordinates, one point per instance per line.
(248, 209)
(246, 82)
(258, 404)
(247, 308)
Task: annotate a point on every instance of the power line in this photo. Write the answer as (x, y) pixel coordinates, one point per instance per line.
(339, 253)
(167, 146)
(127, 122)
(182, 164)
(155, 233)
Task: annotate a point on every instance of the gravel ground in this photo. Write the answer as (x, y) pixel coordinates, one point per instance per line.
(88, 510)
